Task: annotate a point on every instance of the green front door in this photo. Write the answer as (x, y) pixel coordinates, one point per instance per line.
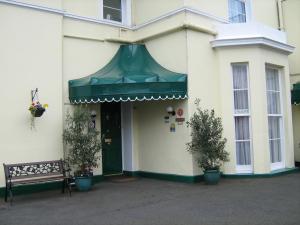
(111, 143)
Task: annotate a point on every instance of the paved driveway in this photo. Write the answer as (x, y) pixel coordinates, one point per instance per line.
(146, 201)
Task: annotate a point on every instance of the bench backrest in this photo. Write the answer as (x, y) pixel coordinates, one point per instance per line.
(33, 169)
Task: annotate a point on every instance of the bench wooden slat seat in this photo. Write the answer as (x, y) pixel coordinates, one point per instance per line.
(35, 172)
(38, 180)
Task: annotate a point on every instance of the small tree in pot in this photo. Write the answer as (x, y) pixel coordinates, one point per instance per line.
(207, 144)
(83, 146)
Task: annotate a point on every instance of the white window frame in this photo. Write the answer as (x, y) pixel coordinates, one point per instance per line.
(127, 136)
(243, 168)
(277, 165)
(125, 11)
(248, 10)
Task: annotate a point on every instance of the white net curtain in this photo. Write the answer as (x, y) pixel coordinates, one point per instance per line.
(242, 116)
(237, 11)
(274, 114)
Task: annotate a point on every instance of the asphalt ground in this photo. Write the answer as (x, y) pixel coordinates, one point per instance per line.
(260, 201)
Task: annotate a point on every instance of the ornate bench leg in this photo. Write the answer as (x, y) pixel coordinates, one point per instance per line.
(68, 181)
(70, 189)
(10, 196)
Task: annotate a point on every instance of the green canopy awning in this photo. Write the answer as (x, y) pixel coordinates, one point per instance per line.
(131, 75)
(296, 94)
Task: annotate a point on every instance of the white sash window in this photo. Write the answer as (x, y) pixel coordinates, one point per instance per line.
(242, 118)
(112, 10)
(274, 117)
(116, 11)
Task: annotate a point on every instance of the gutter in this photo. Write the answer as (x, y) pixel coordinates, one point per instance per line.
(250, 41)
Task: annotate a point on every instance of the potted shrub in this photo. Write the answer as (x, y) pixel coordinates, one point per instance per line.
(207, 144)
(83, 146)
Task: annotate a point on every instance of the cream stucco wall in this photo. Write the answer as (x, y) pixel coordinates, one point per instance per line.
(265, 11)
(90, 8)
(145, 10)
(30, 57)
(214, 7)
(56, 4)
(169, 49)
(83, 57)
(257, 9)
(291, 15)
(291, 19)
(44, 50)
(162, 151)
(203, 81)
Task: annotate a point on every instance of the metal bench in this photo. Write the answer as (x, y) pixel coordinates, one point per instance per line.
(33, 173)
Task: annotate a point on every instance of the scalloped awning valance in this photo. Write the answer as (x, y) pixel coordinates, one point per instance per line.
(131, 75)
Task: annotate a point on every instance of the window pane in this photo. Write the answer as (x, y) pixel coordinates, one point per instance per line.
(240, 85)
(243, 155)
(241, 7)
(273, 99)
(275, 150)
(241, 102)
(274, 127)
(238, 19)
(112, 14)
(240, 80)
(237, 11)
(272, 79)
(242, 131)
(273, 91)
(112, 3)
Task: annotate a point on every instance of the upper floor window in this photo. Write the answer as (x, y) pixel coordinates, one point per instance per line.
(112, 10)
(115, 10)
(237, 11)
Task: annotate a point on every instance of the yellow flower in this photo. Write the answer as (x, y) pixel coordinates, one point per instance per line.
(45, 106)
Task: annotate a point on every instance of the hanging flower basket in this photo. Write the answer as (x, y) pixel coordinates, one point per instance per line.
(37, 109)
